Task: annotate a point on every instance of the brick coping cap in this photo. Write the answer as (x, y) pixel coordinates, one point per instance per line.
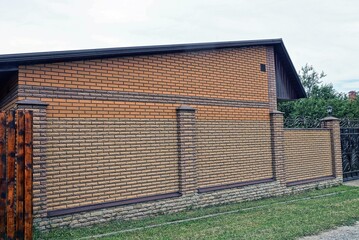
(276, 112)
(185, 108)
(330, 118)
(31, 102)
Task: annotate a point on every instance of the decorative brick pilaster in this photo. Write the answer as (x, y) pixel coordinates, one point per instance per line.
(39, 159)
(186, 121)
(277, 139)
(272, 86)
(333, 124)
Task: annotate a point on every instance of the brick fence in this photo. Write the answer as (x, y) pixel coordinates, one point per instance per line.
(129, 137)
(187, 174)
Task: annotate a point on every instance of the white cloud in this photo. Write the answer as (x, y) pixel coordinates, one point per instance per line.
(323, 33)
(119, 12)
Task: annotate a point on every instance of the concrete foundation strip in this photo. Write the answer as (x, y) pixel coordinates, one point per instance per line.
(210, 215)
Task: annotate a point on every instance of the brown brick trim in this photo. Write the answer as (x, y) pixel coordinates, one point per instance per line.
(300, 182)
(61, 212)
(234, 185)
(272, 86)
(306, 129)
(87, 94)
(277, 139)
(333, 124)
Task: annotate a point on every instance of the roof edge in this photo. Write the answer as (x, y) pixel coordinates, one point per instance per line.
(10, 62)
(73, 55)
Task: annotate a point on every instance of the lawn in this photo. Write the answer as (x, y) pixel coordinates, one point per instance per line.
(287, 217)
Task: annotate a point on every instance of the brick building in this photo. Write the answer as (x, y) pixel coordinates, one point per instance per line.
(129, 132)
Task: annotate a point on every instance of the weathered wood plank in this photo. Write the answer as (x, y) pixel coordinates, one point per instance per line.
(10, 175)
(28, 174)
(2, 175)
(20, 171)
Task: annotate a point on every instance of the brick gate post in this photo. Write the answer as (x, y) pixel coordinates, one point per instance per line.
(39, 159)
(333, 124)
(277, 140)
(186, 123)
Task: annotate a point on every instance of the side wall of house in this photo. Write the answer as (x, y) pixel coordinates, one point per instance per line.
(114, 138)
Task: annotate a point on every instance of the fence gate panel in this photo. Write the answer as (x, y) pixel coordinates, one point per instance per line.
(350, 153)
(2, 175)
(16, 153)
(10, 174)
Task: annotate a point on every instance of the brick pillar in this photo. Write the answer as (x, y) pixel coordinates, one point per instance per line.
(272, 86)
(186, 121)
(277, 140)
(39, 159)
(333, 124)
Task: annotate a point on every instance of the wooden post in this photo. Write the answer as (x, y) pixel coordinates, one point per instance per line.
(28, 173)
(2, 175)
(20, 134)
(10, 175)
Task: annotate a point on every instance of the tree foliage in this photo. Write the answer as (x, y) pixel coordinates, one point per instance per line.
(310, 78)
(320, 96)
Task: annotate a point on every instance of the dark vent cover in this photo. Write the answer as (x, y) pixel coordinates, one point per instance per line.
(263, 67)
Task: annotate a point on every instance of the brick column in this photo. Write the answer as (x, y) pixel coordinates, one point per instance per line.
(333, 124)
(39, 159)
(272, 86)
(186, 121)
(277, 139)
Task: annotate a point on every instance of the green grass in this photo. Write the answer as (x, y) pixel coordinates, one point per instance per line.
(272, 220)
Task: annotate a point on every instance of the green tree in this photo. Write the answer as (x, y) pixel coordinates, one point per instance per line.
(310, 78)
(325, 91)
(320, 96)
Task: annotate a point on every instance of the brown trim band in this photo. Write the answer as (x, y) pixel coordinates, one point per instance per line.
(88, 94)
(306, 129)
(312, 180)
(234, 185)
(86, 208)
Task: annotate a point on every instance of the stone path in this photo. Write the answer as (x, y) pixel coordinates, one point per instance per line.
(340, 233)
(354, 183)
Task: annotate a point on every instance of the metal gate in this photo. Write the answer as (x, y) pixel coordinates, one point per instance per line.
(350, 151)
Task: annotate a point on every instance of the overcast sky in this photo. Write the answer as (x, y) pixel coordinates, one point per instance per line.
(324, 33)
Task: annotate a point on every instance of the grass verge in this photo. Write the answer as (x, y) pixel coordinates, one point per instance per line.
(287, 217)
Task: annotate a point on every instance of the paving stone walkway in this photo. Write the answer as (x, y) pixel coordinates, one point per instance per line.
(340, 233)
(354, 183)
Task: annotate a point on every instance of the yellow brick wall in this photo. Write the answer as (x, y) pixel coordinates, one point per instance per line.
(307, 154)
(103, 150)
(226, 73)
(93, 160)
(233, 151)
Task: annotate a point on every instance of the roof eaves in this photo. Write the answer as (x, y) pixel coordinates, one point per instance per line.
(290, 64)
(10, 62)
(73, 55)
